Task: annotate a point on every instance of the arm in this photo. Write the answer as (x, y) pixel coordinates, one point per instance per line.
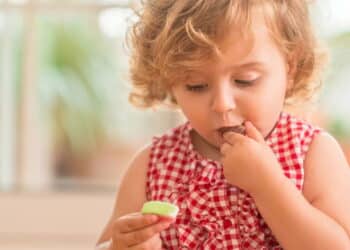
(131, 194)
(319, 219)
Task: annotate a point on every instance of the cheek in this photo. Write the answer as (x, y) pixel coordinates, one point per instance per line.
(273, 92)
(265, 108)
(193, 108)
(270, 103)
(187, 104)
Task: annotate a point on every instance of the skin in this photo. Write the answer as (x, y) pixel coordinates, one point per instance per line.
(127, 227)
(215, 96)
(248, 83)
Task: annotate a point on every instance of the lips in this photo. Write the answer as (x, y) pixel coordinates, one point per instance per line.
(240, 129)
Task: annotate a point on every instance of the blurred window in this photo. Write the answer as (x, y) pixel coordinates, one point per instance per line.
(68, 125)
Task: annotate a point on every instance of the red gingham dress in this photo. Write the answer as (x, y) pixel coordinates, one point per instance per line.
(213, 213)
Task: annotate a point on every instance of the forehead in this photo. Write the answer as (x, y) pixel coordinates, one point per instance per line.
(238, 47)
(244, 40)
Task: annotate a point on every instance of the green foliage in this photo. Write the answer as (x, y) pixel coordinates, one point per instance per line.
(73, 90)
(339, 129)
(341, 40)
(337, 86)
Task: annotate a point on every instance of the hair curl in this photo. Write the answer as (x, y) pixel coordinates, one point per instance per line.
(176, 36)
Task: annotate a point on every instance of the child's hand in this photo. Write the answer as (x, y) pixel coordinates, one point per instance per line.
(248, 161)
(138, 231)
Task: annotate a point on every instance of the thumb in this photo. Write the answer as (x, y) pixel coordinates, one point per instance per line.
(253, 133)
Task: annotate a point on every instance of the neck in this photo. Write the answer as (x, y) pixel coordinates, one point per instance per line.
(204, 148)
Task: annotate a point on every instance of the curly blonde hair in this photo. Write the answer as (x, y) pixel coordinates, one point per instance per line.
(173, 37)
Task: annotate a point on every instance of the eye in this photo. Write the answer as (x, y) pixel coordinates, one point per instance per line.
(197, 87)
(244, 82)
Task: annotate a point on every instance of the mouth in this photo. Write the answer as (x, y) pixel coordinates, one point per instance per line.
(240, 129)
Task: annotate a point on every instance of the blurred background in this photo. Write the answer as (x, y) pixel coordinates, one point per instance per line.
(67, 131)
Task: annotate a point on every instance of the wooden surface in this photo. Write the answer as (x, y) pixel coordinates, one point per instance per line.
(52, 221)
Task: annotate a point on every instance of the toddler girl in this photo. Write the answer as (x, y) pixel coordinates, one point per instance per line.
(244, 173)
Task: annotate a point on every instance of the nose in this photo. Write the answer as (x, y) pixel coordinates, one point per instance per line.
(223, 99)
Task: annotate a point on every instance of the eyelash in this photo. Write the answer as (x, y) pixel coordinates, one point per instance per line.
(201, 87)
(196, 88)
(244, 82)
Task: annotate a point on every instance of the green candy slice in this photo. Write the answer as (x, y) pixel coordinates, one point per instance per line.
(160, 208)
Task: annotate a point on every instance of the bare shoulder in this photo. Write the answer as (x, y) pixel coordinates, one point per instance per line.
(327, 179)
(132, 191)
(324, 163)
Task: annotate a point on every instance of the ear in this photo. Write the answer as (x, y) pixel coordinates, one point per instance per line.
(172, 98)
(171, 95)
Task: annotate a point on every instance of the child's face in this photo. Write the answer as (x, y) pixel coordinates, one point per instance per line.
(248, 82)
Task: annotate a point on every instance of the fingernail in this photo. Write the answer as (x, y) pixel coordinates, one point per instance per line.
(153, 218)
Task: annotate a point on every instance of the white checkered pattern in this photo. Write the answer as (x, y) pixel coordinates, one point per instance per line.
(214, 214)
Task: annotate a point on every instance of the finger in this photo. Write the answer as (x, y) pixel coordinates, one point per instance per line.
(253, 133)
(225, 148)
(154, 243)
(232, 137)
(138, 237)
(136, 221)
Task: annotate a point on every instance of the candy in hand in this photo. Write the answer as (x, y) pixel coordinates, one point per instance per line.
(160, 208)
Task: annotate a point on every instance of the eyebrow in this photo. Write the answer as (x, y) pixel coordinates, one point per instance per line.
(253, 64)
(259, 65)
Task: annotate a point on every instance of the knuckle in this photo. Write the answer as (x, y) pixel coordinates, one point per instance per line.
(116, 225)
(118, 238)
(147, 234)
(120, 222)
(136, 237)
(141, 236)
